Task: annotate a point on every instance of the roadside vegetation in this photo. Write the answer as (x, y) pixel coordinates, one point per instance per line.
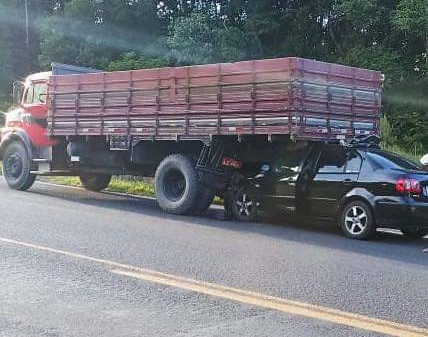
(127, 185)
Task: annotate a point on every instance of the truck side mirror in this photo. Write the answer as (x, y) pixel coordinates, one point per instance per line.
(42, 98)
(18, 90)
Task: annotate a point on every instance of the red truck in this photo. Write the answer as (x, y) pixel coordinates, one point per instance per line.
(193, 128)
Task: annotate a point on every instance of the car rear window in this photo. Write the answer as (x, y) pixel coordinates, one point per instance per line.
(389, 160)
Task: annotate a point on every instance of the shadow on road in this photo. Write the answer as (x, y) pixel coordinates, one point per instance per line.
(387, 245)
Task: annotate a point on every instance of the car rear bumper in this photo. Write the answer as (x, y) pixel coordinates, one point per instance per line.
(401, 212)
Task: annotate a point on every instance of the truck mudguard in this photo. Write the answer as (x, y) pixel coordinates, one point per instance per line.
(17, 135)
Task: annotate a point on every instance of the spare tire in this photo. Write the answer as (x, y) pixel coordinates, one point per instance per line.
(94, 181)
(177, 187)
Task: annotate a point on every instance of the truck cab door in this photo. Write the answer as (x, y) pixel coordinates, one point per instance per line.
(34, 118)
(35, 100)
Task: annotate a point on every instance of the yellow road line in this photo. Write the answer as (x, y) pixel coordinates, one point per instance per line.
(257, 299)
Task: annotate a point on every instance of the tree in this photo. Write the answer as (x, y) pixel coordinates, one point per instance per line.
(130, 61)
(200, 38)
(98, 32)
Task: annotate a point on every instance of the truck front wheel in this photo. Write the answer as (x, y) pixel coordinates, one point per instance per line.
(17, 167)
(176, 185)
(95, 182)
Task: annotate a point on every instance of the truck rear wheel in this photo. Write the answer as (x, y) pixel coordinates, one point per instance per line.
(17, 166)
(204, 201)
(176, 185)
(95, 182)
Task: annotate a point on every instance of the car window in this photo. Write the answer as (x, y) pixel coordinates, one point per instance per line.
(388, 160)
(332, 160)
(353, 165)
(291, 159)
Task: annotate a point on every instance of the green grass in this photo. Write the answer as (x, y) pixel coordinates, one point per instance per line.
(402, 152)
(132, 186)
(117, 184)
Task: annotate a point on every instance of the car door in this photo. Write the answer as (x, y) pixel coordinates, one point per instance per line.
(279, 190)
(330, 181)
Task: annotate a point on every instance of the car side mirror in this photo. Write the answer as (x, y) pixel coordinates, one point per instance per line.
(265, 168)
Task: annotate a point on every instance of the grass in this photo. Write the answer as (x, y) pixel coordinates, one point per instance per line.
(402, 152)
(117, 184)
(127, 185)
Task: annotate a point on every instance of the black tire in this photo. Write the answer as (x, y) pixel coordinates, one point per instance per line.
(204, 201)
(414, 233)
(227, 203)
(356, 221)
(243, 205)
(17, 167)
(95, 182)
(177, 187)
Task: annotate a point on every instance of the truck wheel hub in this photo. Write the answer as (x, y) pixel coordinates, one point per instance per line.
(14, 166)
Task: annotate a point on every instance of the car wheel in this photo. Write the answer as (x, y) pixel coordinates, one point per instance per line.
(414, 233)
(244, 206)
(357, 221)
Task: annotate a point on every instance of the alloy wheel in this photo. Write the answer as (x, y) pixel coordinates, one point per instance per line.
(244, 206)
(356, 220)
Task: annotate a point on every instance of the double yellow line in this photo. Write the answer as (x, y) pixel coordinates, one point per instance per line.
(253, 298)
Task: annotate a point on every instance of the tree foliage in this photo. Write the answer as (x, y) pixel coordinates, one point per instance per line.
(386, 35)
(201, 38)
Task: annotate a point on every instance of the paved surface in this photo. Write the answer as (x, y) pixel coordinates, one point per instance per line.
(43, 293)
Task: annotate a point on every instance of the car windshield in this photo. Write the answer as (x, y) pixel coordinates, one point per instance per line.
(389, 160)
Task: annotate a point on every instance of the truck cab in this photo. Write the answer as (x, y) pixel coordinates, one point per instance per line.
(27, 123)
(25, 146)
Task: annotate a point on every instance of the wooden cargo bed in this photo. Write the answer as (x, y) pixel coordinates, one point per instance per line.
(287, 96)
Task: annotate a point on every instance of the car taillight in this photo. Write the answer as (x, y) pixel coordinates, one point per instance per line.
(408, 186)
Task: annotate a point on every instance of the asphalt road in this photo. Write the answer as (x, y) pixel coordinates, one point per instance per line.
(61, 249)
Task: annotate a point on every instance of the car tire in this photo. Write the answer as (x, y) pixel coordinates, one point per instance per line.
(95, 182)
(414, 233)
(177, 187)
(243, 205)
(227, 204)
(357, 221)
(17, 167)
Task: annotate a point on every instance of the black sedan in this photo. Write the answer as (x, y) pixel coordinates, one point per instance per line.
(358, 187)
